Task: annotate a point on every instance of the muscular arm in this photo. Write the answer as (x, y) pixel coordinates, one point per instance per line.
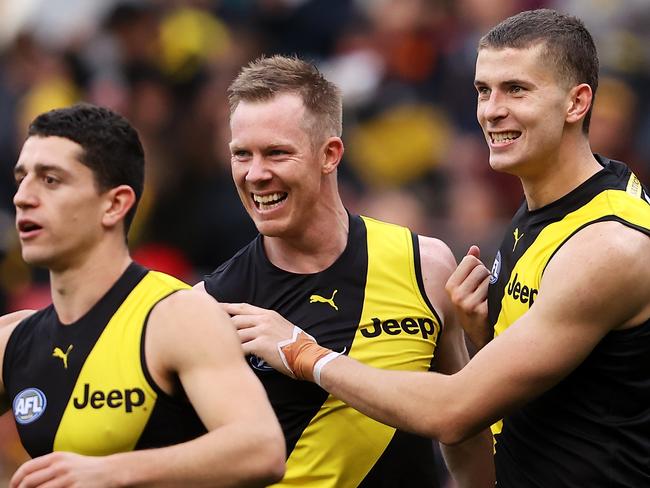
(609, 285)
(8, 323)
(471, 462)
(190, 337)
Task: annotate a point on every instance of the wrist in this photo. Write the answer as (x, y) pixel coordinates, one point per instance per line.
(301, 353)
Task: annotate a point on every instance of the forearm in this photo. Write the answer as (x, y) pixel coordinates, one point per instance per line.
(471, 463)
(233, 455)
(420, 402)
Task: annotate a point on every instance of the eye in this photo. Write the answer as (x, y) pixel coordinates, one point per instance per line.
(50, 180)
(516, 89)
(240, 154)
(483, 92)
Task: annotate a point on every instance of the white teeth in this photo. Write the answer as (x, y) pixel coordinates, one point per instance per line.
(272, 198)
(267, 202)
(504, 136)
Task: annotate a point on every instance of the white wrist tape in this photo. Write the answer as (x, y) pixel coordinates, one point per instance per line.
(321, 363)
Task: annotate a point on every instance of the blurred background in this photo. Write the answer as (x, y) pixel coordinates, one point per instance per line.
(414, 151)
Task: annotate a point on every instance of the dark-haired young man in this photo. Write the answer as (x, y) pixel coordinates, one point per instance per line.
(371, 289)
(568, 295)
(124, 380)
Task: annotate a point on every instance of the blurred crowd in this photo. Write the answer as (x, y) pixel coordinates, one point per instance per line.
(414, 151)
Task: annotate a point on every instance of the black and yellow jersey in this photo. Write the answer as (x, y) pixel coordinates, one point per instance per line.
(84, 387)
(593, 428)
(370, 304)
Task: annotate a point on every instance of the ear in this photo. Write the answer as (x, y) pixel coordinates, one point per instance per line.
(580, 98)
(333, 151)
(119, 201)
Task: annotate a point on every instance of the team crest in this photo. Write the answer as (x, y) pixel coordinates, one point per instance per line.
(496, 268)
(29, 405)
(259, 364)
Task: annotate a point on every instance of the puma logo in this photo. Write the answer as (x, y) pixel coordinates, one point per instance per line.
(517, 236)
(320, 299)
(58, 353)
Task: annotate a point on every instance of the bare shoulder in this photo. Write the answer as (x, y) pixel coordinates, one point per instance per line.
(8, 323)
(436, 256)
(12, 319)
(603, 274)
(193, 301)
(437, 263)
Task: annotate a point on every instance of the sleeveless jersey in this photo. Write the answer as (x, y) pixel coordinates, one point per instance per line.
(85, 387)
(371, 304)
(593, 428)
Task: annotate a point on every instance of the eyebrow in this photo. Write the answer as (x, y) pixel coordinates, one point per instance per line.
(513, 81)
(19, 169)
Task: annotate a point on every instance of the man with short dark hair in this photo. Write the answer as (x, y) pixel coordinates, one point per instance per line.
(124, 380)
(568, 295)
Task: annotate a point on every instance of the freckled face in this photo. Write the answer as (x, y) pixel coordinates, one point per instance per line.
(275, 168)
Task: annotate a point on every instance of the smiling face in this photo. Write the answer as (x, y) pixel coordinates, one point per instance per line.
(276, 166)
(58, 206)
(522, 108)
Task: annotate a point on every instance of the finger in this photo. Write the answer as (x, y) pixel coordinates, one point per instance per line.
(27, 469)
(241, 308)
(475, 301)
(475, 251)
(244, 321)
(460, 275)
(459, 293)
(247, 335)
(32, 478)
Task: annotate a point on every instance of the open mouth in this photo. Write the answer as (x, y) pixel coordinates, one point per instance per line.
(270, 201)
(504, 137)
(25, 226)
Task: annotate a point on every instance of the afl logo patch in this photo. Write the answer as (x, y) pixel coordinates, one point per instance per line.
(29, 405)
(496, 268)
(259, 364)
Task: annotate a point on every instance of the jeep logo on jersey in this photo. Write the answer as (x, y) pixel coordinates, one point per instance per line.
(29, 405)
(258, 363)
(128, 398)
(523, 293)
(424, 326)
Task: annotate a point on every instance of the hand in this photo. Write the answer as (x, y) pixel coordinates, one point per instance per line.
(285, 346)
(63, 470)
(467, 288)
(260, 330)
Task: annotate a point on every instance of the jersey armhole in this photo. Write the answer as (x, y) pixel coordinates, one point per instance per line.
(6, 358)
(417, 265)
(162, 395)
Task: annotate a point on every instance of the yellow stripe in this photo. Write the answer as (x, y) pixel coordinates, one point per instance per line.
(114, 365)
(530, 267)
(340, 445)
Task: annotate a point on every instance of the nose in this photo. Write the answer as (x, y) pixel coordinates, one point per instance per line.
(492, 109)
(258, 170)
(25, 196)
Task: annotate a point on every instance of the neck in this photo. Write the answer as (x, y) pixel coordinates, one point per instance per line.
(315, 248)
(561, 173)
(78, 287)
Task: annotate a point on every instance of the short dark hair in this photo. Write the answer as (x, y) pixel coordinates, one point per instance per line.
(111, 146)
(265, 78)
(568, 45)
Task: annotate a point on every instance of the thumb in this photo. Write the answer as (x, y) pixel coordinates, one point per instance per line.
(475, 251)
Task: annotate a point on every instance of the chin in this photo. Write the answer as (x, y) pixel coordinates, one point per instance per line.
(36, 259)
